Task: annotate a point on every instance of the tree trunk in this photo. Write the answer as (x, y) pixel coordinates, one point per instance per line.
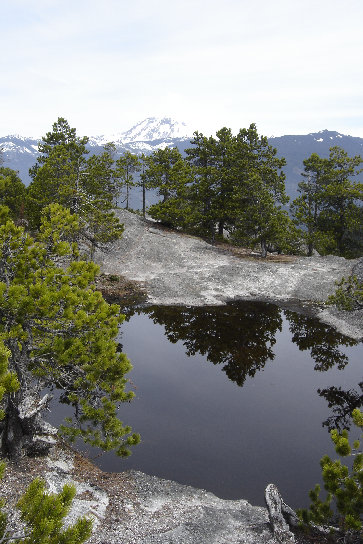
(263, 249)
(221, 228)
(24, 431)
(127, 196)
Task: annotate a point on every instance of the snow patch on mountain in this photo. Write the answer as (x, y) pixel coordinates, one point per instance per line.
(148, 130)
(153, 128)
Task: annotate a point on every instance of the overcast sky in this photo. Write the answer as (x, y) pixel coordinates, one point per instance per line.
(290, 66)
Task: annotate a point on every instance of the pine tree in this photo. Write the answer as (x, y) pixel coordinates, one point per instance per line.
(239, 186)
(259, 192)
(343, 197)
(12, 192)
(59, 331)
(126, 166)
(205, 189)
(167, 172)
(307, 207)
(329, 206)
(42, 513)
(63, 175)
(61, 134)
(348, 295)
(344, 486)
(142, 182)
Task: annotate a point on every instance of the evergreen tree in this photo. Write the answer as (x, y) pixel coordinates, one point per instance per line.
(259, 192)
(307, 207)
(43, 513)
(348, 295)
(127, 165)
(341, 215)
(63, 175)
(205, 190)
(59, 331)
(344, 486)
(58, 180)
(100, 178)
(142, 182)
(329, 206)
(12, 192)
(167, 172)
(239, 186)
(61, 134)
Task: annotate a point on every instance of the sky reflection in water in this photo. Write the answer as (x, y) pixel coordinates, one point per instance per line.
(232, 398)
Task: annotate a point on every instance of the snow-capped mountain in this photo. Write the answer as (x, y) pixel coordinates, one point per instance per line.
(20, 153)
(152, 129)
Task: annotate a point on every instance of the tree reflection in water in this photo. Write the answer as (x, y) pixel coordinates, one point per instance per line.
(240, 336)
(324, 344)
(342, 403)
(322, 341)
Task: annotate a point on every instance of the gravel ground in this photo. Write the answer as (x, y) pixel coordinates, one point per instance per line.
(184, 270)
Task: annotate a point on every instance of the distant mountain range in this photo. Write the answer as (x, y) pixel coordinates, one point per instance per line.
(20, 153)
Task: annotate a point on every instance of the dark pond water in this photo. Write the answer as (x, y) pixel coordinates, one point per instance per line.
(232, 398)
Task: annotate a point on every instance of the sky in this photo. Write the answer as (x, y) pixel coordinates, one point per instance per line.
(290, 66)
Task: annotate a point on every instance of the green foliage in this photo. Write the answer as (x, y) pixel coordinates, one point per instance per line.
(12, 192)
(329, 205)
(229, 182)
(42, 513)
(126, 166)
(58, 229)
(43, 516)
(60, 330)
(259, 191)
(344, 486)
(8, 380)
(166, 171)
(61, 135)
(348, 295)
(64, 176)
(211, 186)
(4, 214)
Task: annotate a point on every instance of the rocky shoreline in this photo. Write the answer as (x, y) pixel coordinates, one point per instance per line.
(156, 266)
(135, 508)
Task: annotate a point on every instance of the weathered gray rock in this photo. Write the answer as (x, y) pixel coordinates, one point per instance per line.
(168, 512)
(134, 508)
(185, 270)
